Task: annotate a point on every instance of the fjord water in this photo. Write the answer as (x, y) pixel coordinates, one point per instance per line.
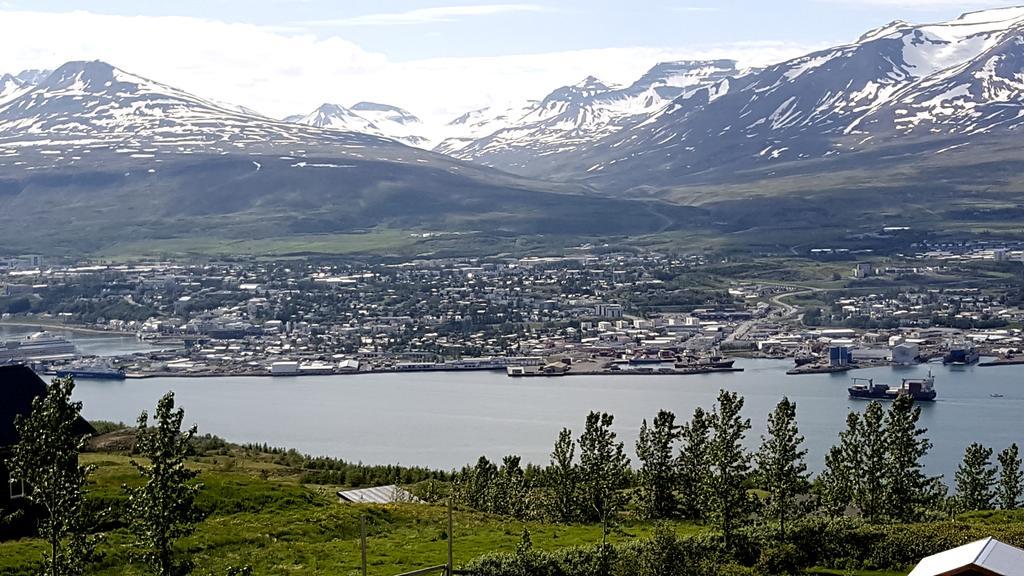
(445, 420)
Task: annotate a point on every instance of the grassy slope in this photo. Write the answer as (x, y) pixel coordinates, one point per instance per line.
(259, 514)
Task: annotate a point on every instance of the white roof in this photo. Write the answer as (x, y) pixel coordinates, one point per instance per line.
(989, 554)
(378, 495)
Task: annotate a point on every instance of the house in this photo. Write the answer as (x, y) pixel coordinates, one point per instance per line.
(19, 385)
(988, 557)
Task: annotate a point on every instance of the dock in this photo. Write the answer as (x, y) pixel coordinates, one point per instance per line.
(1003, 361)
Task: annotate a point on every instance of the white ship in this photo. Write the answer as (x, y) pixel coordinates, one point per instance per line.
(38, 346)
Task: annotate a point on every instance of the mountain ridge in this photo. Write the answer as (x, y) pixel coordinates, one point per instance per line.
(94, 157)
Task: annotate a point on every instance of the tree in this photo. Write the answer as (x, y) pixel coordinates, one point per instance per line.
(655, 449)
(46, 460)
(870, 493)
(781, 465)
(693, 465)
(163, 508)
(510, 491)
(976, 479)
(476, 485)
(562, 477)
(908, 490)
(1011, 479)
(603, 469)
(839, 482)
(729, 465)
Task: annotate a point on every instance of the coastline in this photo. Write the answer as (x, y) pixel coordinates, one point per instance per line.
(64, 327)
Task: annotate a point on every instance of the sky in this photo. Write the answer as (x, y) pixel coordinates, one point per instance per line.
(436, 58)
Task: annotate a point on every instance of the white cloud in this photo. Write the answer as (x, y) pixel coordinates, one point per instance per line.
(917, 4)
(428, 15)
(280, 71)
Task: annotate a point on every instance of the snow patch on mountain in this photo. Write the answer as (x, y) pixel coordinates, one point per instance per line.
(85, 108)
(936, 82)
(370, 118)
(572, 116)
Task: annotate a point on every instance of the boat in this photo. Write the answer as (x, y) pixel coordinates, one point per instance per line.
(805, 356)
(92, 371)
(815, 368)
(38, 346)
(961, 354)
(802, 360)
(996, 395)
(920, 389)
(713, 360)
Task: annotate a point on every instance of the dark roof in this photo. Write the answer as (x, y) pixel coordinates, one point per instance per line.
(19, 385)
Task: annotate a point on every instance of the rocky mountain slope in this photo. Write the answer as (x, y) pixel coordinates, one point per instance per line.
(93, 155)
(570, 118)
(928, 89)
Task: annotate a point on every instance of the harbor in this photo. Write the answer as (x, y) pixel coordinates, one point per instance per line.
(445, 419)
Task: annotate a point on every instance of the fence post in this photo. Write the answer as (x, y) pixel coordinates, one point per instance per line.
(362, 540)
(450, 537)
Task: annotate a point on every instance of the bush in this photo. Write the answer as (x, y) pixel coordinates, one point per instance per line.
(106, 426)
(779, 559)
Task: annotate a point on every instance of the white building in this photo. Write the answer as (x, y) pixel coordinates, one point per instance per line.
(989, 557)
(905, 353)
(284, 368)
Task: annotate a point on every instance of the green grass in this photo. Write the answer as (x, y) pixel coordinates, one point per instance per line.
(375, 241)
(257, 513)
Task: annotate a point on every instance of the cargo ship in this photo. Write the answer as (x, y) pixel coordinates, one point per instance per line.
(97, 371)
(961, 354)
(920, 389)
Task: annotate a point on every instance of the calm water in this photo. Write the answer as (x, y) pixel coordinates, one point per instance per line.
(92, 344)
(449, 419)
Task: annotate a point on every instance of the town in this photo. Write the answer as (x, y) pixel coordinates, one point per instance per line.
(589, 313)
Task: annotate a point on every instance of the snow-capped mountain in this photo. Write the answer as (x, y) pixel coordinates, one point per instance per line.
(13, 84)
(368, 118)
(337, 117)
(8, 86)
(476, 124)
(571, 117)
(396, 123)
(94, 156)
(934, 84)
(84, 107)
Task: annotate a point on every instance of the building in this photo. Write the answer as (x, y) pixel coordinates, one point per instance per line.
(862, 270)
(839, 356)
(988, 557)
(905, 353)
(19, 385)
(284, 368)
(389, 494)
(603, 310)
(348, 365)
